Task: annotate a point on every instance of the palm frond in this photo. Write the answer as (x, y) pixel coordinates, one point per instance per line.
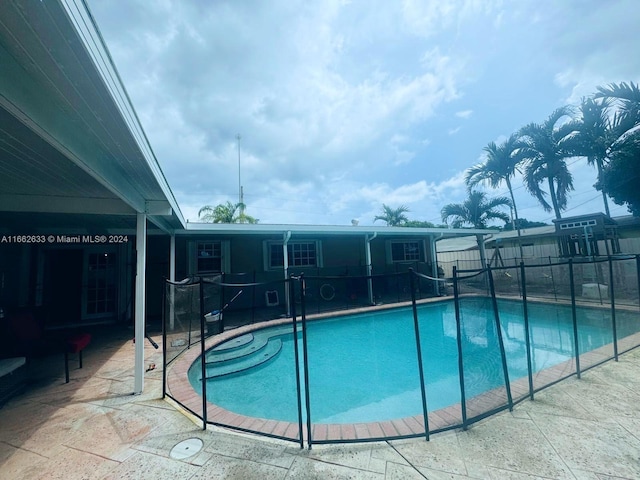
(622, 91)
(475, 175)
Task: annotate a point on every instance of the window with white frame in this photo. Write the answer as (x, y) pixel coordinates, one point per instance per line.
(299, 254)
(405, 251)
(208, 257)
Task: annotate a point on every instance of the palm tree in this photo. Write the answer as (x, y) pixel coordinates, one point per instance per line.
(501, 164)
(225, 213)
(545, 147)
(627, 96)
(620, 175)
(393, 217)
(603, 137)
(476, 211)
(597, 132)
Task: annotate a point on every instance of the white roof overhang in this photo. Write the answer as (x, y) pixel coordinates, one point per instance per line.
(71, 145)
(319, 230)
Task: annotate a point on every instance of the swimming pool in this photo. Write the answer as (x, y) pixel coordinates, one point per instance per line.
(363, 367)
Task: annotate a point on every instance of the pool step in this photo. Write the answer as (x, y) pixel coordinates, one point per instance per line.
(235, 349)
(234, 343)
(257, 357)
(242, 346)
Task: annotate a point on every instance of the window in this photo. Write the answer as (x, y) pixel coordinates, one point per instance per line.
(209, 257)
(302, 254)
(299, 254)
(405, 251)
(101, 292)
(585, 223)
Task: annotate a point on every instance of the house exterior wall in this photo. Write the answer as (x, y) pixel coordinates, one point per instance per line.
(343, 252)
(337, 255)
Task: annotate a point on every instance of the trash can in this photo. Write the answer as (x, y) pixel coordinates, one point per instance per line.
(214, 322)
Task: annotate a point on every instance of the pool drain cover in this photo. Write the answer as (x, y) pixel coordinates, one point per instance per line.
(186, 448)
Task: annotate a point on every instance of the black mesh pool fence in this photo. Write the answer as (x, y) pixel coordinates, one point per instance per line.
(511, 331)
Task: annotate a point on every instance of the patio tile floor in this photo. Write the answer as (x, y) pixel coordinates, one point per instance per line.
(93, 428)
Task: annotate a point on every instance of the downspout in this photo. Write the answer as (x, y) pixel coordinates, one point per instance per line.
(285, 263)
(434, 263)
(586, 241)
(369, 267)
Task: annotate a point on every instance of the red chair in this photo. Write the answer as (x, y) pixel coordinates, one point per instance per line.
(75, 344)
(29, 338)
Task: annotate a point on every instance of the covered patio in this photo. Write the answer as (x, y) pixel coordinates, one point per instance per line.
(81, 190)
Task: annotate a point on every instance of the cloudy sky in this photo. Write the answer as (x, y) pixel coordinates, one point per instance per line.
(342, 105)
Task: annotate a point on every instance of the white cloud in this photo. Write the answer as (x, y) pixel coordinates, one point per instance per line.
(429, 17)
(340, 103)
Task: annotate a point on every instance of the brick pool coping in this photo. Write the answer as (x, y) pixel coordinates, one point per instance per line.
(181, 390)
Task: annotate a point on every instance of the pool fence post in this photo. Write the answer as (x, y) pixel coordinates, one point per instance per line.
(290, 284)
(456, 303)
(223, 281)
(190, 318)
(164, 339)
(613, 310)
(416, 327)
(503, 355)
(527, 335)
(597, 272)
(520, 280)
(202, 357)
(253, 297)
(553, 281)
(305, 356)
(574, 317)
(638, 276)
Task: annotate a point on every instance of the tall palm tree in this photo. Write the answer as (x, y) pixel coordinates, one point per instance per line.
(476, 211)
(501, 164)
(595, 135)
(627, 95)
(393, 217)
(620, 174)
(599, 135)
(225, 213)
(545, 148)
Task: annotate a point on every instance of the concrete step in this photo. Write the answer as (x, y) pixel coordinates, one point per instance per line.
(269, 349)
(244, 345)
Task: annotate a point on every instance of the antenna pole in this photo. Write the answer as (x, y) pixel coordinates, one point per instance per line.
(239, 180)
(240, 193)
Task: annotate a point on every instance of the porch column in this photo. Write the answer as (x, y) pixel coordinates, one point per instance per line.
(172, 277)
(141, 264)
(367, 252)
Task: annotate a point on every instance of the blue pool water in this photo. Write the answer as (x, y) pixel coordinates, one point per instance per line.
(363, 368)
